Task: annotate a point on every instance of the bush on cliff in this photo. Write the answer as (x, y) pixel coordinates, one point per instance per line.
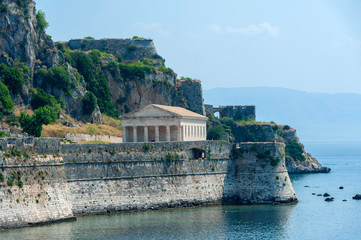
(12, 78)
(295, 150)
(56, 76)
(41, 99)
(42, 23)
(89, 103)
(6, 104)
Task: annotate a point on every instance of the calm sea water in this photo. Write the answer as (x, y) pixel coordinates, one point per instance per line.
(311, 218)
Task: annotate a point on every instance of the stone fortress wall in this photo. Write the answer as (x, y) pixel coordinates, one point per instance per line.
(243, 112)
(61, 180)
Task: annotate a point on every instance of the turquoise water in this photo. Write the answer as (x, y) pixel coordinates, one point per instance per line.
(311, 218)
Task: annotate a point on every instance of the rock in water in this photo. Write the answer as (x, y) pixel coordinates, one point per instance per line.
(357, 197)
(326, 195)
(340, 187)
(329, 199)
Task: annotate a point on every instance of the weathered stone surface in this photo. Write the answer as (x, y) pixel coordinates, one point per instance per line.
(357, 197)
(65, 180)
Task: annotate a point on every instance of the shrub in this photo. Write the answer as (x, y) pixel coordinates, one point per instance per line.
(146, 147)
(169, 157)
(2, 177)
(20, 184)
(89, 103)
(3, 8)
(33, 125)
(156, 56)
(42, 23)
(6, 104)
(286, 127)
(10, 182)
(89, 38)
(41, 99)
(58, 76)
(215, 133)
(295, 150)
(12, 78)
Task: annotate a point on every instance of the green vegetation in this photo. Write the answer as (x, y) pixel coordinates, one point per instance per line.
(13, 120)
(89, 38)
(2, 177)
(41, 99)
(10, 182)
(6, 104)
(169, 157)
(216, 132)
(89, 103)
(33, 125)
(156, 56)
(20, 184)
(286, 127)
(57, 76)
(295, 150)
(42, 23)
(12, 78)
(146, 147)
(3, 8)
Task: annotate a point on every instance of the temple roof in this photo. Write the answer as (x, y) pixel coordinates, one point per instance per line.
(156, 110)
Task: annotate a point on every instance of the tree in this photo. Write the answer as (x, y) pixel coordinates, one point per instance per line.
(12, 78)
(41, 99)
(215, 133)
(33, 125)
(6, 104)
(42, 23)
(57, 76)
(89, 103)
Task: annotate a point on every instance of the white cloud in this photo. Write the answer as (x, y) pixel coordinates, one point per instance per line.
(152, 27)
(252, 30)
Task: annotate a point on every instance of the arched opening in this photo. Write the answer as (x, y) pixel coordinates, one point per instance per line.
(196, 153)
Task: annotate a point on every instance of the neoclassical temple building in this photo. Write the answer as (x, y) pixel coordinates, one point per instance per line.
(159, 123)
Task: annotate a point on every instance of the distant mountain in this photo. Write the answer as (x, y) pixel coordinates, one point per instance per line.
(316, 116)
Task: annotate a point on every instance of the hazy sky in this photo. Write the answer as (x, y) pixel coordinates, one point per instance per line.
(311, 45)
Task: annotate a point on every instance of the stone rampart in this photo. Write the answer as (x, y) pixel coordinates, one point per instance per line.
(128, 49)
(62, 180)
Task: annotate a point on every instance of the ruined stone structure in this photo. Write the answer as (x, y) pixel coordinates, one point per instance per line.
(241, 112)
(159, 123)
(62, 181)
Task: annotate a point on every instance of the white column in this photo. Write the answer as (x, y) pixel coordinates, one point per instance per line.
(145, 134)
(124, 134)
(183, 132)
(135, 134)
(167, 133)
(156, 133)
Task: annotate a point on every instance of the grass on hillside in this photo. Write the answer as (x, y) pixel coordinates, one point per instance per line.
(111, 127)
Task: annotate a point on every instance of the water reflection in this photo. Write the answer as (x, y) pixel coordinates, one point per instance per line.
(227, 222)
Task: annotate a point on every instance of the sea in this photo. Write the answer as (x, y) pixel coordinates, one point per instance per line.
(311, 218)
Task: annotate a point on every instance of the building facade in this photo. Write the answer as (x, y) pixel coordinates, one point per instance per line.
(159, 123)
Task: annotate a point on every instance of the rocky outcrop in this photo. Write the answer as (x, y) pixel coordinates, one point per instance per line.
(192, 92)
(265, 132)
(127, 49)
(21, 39)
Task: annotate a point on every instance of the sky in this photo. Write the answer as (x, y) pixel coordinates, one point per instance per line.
(308, 45)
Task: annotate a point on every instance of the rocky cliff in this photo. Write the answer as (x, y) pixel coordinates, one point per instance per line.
(297, 159)
(123, 74)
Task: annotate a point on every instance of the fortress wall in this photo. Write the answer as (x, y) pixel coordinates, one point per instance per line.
(259, 175)
(70, 179)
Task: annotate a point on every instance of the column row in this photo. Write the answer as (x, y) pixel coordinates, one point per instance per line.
(152, 134)
(194, 131)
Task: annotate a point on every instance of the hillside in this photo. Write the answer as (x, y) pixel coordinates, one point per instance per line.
(83, 78)
(316, 116)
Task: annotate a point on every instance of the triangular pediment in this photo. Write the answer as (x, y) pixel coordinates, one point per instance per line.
(151, 111)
